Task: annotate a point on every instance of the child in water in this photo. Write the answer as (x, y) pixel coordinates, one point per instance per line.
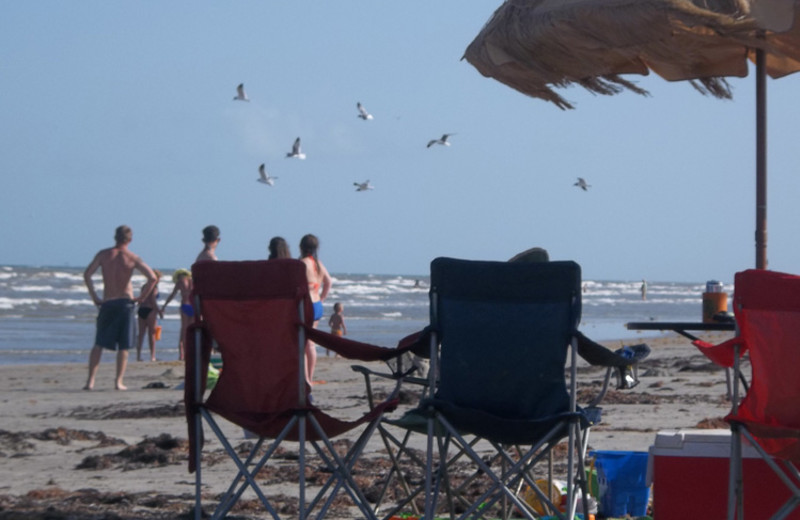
(336, 322)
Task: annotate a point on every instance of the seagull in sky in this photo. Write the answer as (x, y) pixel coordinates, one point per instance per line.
(240, 93)
(363, 186)
(264, 176)
(296, 150)
(582, 184)
(443, 141)
(362, 112)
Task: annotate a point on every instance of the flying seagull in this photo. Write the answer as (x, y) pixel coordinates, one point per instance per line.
(362, 112)
(363, 186)
(240, 93)
(296, 150)
(582, 184)
(443, 141)
(265, 177)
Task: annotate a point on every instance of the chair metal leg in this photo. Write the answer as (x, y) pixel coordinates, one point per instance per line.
(430, 500)
(198, 480)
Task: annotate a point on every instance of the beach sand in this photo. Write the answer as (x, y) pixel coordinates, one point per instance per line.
(69, 453)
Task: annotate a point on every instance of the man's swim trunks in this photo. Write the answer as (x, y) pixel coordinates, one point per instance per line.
(317, 310)
(144, 312)
(187, 309)
(115, 324)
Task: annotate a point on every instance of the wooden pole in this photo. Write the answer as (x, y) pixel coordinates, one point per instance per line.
(761, 160)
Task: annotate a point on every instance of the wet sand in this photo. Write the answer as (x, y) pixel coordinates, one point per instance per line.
(69, 453)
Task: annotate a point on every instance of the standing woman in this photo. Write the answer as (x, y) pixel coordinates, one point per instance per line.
(319, 283)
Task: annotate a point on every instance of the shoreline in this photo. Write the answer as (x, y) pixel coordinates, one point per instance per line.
(168, 345)
(59, 441)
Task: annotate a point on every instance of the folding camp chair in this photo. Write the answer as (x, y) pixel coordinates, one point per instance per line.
(623, 363)
(767, 309)
(259, 314)
(398, 490)
(499, 338)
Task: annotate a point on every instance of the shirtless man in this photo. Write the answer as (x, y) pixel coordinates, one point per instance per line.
(211, 240)
(115, 319)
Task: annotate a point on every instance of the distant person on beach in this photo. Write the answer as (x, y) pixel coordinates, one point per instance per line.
(211, 240)
(278, 248)
(183, 284)
(337, 320)
(115, 319)
(336, 323)
(148, 312)
(319, 284)
(644, 289)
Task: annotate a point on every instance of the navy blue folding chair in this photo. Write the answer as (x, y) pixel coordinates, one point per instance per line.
(502, 336)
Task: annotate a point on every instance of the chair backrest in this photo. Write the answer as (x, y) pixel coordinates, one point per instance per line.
(253, 311)
(767, 307)
(505, 330)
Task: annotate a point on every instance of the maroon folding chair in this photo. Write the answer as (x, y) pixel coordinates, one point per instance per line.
(258, 314)
(767, 308)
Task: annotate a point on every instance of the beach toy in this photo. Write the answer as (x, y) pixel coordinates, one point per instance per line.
(180, 272)
(532, 499)
(213, 376)
(621, 477)
(158, 332)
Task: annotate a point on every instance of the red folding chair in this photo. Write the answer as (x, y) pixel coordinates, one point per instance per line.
(767, 308)
(259, 315)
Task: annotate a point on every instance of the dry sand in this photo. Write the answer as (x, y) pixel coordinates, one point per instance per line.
(69, 453)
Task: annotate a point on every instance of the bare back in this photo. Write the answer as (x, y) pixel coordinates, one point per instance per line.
(319, 281)
(185, 286)
(117, 265)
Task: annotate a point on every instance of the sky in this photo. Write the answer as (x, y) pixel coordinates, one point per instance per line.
(123, 113)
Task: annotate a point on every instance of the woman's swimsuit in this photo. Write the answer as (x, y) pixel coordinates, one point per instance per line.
(317, 311)
(144, 312)
(315, 285)
(315, 289)
(187, 309)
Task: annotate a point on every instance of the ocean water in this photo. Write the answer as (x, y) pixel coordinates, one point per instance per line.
(46, 315)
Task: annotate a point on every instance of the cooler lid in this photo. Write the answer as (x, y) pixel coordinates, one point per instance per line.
(678, 438)
(697, 442)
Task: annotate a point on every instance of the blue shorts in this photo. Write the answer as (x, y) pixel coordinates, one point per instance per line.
(115, 324)
(317, 311)
(187, 309)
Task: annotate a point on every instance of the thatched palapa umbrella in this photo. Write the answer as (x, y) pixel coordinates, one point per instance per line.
(535, 46)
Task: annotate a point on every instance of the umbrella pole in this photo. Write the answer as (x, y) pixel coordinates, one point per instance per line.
(761, 160)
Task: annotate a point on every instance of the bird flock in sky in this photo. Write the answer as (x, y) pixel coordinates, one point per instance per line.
(297, 153)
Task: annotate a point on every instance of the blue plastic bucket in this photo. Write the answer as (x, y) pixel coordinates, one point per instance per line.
(621, 478)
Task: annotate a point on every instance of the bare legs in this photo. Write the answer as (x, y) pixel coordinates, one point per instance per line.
(147, 327)
(311, 359)
(185, 322)
(94, 363)
(140, 338)
(122, 363)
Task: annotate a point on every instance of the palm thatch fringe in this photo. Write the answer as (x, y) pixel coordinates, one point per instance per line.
(535, 46)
